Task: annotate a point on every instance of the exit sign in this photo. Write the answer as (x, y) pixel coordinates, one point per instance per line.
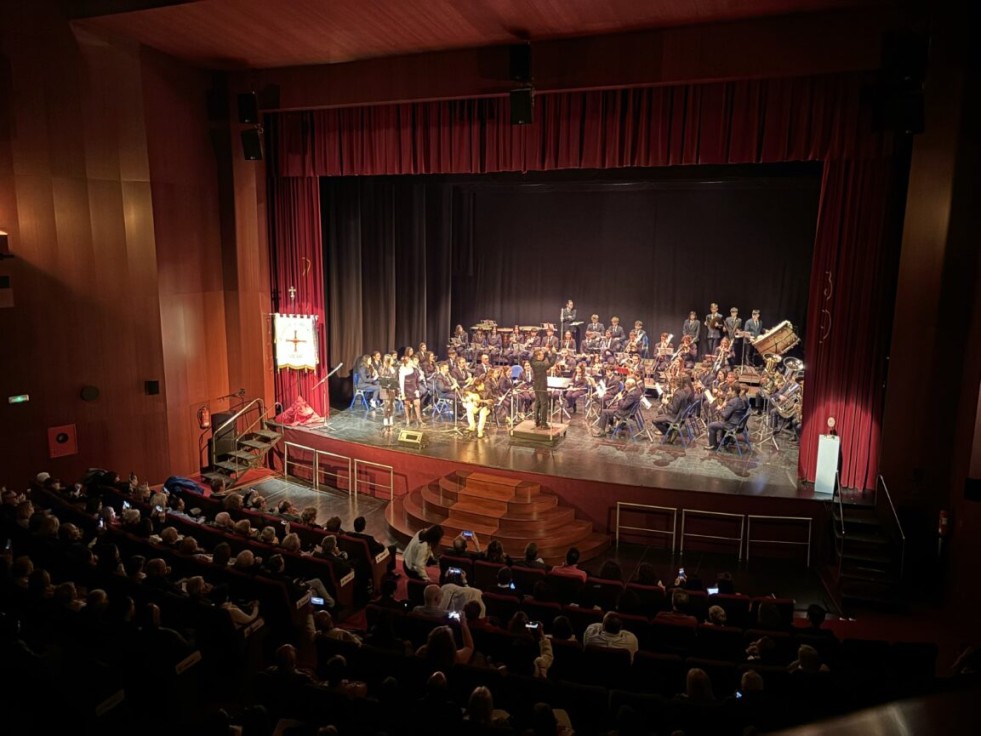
(18, 399)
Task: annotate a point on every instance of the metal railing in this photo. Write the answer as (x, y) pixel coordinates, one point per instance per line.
(839, 546)
(360, 464)
(763, 517)
(672, 532)
(232, 422)
(899, 527)
(700, 512)
(314, 465)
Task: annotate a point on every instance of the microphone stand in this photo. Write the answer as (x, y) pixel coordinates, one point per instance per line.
(323, 394)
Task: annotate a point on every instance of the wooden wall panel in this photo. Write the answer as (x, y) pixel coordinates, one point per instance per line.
(87, 309)
(188, 256)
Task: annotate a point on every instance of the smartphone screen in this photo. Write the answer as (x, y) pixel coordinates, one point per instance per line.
(455, 615)
(317, 601)
(467, 534)
(533, 625)
(454, 571)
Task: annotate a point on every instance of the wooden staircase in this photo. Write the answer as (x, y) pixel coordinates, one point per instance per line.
(512, 511)
(869, 548)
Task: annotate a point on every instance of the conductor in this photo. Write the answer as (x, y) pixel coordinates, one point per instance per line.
(539, 370)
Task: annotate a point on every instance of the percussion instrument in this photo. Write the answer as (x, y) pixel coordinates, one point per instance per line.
(777, 340)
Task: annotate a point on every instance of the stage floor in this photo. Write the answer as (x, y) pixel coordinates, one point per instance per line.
(767, 471)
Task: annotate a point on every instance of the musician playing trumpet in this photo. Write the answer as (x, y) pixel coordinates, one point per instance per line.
(476, 401)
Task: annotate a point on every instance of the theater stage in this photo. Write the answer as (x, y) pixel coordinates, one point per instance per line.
(592, 474)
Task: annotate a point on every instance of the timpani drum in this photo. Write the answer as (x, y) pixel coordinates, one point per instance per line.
(778, 340)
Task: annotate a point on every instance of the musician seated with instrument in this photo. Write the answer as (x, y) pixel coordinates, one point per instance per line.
(367, 380)
(578, 387)
(494, 342)
(444, 384)
(663, 352)
(477, 401)
(732, 414)
(678, 403)
(623, 405)
(483, 367)
(568, 342)
(785, 406)
(460, 371)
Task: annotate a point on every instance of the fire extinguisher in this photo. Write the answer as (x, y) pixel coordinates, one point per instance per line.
(204, 417)
(943, 530)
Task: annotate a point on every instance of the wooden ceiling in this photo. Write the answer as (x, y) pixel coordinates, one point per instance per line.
(258, 34)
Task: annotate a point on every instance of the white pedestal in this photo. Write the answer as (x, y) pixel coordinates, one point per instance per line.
(827, 463)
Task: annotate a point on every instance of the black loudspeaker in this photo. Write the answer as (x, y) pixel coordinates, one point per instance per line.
(412, 438)
(252, 144)
(89, 393)
(151, 388)
(248, 108)
(519, 62)
(223, 439)
(522, 107)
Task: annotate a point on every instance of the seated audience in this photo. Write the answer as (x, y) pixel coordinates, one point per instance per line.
(570, 567)
(432, 603)
(610, 634)
(531, 558)
(455, 594)
(679, 610)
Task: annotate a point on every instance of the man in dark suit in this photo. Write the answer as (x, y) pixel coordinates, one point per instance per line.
(539, 369)
(374, 546)
(679, 402)
(732, 413)
(620, 408)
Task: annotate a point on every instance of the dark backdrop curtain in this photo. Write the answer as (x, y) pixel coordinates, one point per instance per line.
(388, 243)
(823, 118)
(298, 262)
(513, 249)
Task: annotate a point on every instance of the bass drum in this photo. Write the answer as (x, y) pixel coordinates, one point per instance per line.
(778, 340)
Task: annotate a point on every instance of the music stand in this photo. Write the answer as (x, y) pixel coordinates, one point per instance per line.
(323, 397)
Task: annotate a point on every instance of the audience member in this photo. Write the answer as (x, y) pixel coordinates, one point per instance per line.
(432, 603)
(679, 610)
(531, 558)
(455, 594)
(570, 567)
(420, 550)
(610, 634)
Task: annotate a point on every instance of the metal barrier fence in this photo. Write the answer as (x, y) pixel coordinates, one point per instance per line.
(628, 507)
(315, 466)
(762, 517)
(699, 512)
(359, 465)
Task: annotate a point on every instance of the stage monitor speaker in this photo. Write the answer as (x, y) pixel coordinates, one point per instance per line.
(252, 144)
(248, 108)
(519, 62)
(522, 107)
(412, 438)
(223, 439)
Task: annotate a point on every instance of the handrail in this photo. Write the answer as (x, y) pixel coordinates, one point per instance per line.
(841, 522)
(899, 526)
(230, 422)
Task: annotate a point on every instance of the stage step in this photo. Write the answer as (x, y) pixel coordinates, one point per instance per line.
(439, 498)
(511, 511)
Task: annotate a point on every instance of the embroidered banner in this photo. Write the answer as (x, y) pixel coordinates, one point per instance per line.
(296, 341)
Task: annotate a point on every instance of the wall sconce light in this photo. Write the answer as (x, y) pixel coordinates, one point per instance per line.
(4, 246)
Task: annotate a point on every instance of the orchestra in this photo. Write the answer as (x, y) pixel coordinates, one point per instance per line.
(529, 372)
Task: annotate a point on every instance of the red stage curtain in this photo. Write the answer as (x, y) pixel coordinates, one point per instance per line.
(298, 262)
(754, 121)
